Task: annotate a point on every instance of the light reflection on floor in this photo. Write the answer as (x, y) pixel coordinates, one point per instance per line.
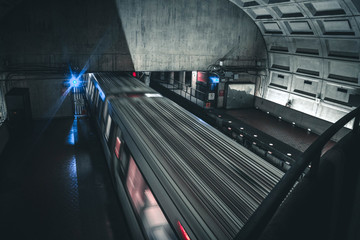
(73, 176)
(73, 134)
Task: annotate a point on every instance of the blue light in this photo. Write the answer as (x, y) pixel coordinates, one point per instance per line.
(74, 81)
(72, 138)
(214, 79)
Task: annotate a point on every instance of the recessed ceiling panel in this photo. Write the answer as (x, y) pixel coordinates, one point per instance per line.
(288, 11)
(343, 71)
(343, 48)
(299, 27)
(328, 8)
(307, 46)
(308, 66)
(336, 27)
(261, 13)
(275, 1)
(272, 27)
(280, 61)
(246, 3)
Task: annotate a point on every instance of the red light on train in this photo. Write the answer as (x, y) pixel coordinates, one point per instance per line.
(134, 74)
(184, 235)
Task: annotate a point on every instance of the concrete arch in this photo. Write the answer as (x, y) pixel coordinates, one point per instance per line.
(314, 53)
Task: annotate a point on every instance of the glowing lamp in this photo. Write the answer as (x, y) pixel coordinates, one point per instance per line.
(74, 81)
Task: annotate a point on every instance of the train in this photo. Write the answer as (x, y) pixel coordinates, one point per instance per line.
(176, 176)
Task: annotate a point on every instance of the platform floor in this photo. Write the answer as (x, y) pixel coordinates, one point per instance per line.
(54, 184)
(293, 136)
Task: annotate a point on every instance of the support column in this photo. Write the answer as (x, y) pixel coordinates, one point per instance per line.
(193, 82)
(147, 78)
(182, 75)
(171, 78)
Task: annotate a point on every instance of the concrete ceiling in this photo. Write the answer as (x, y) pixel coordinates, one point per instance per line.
(313, 53)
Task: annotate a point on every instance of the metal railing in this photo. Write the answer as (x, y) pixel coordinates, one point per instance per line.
(185, 91)
(262, 216)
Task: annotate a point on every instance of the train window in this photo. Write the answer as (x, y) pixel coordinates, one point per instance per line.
(91, 89)
(105, 109)
(88, 84)
(121, 154)
(111, 137)
(107, 130)
(153, 220)
(124, 156)
(101, 106)
(117, 147)
(96, 98)
(92, 92)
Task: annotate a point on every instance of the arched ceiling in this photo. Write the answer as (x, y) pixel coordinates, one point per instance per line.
(314, 52)
(326, 29)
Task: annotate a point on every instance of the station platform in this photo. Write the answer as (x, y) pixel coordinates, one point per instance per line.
(271, 135)
(55, 184)
(296, 137)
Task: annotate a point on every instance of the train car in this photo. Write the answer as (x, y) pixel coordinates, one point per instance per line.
(176, 176)
(100, 87)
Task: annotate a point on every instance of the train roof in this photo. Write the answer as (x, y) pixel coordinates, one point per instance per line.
(223, 181)
(120, 82)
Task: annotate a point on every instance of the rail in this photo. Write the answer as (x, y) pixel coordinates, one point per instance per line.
(185, 91)
(262, 216)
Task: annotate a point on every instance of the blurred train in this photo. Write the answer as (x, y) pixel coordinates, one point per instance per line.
(176, 176)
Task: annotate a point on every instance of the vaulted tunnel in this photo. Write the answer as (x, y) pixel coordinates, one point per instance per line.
(299, 60)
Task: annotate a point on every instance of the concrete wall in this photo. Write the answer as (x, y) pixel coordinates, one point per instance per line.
(46, 95)
(188, 35)
(49, 35)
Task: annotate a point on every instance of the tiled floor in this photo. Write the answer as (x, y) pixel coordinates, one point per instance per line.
(54, 184)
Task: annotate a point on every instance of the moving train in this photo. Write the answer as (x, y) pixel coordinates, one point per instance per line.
(176, 176)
